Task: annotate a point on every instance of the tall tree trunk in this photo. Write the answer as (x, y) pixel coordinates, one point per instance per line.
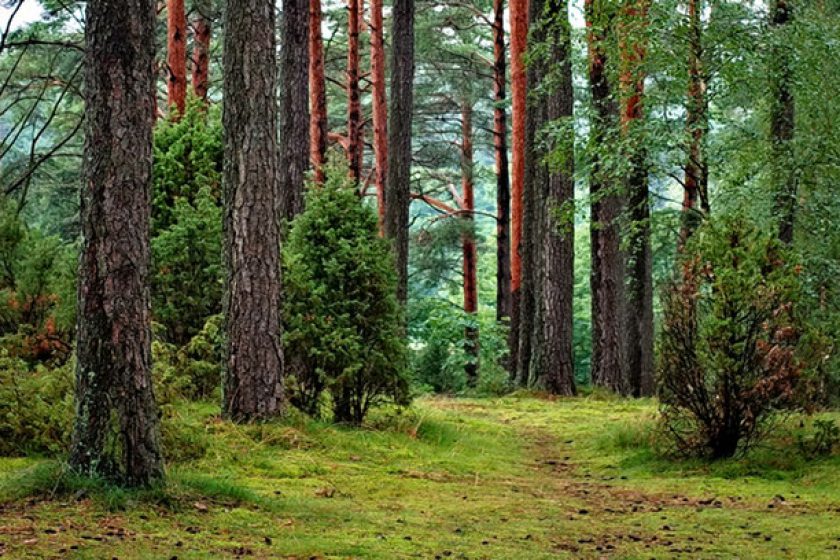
(354, 106)
(502, 172)
(470, 256)
(552, 363)
(253, 357)
(116, 433)
(317, 93)
(518, 44)
(607, 275)
(176, 54)
(639, 331)
(294, 107)
(203, 25)
(782, 120)
(398, 188)
(380, 107)
(697, 124)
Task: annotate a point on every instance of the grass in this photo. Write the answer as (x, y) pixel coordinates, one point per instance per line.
(514, 478)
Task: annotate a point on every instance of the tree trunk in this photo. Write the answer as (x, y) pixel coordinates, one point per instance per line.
(380, 107)
(116, 433)
(398, 188)
(354, 107)
(697, 124)
(294, 107)
(502, 173)
(518, 44)
(176, 54)
(782, 121)
(552, 349)
(203, 25)
(607, 276)
(253, 357)
(317, 93)
(639, 332)
(468, 245)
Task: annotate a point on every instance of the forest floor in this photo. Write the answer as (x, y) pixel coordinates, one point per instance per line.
(512, 478)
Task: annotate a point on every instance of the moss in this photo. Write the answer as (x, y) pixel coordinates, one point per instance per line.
(514, 478)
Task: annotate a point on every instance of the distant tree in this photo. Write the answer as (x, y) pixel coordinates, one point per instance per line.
(518, 13)
(633, 46)
(500, 145)
(317, 93)
(294, 106)
(116, 431)
(607, 275)
(203, 33)
(380, 106)
(398, 188)
(176, 55)
(253, 359)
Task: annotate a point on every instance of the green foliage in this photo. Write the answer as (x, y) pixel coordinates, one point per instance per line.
(36, 407)
(342, 320)
(439, 354)
(187, 223)
(191, 371)
(187, 282)
(729, 348)
(37, 291)
(823, 441)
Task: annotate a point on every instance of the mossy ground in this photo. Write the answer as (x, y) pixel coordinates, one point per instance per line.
(513, 478)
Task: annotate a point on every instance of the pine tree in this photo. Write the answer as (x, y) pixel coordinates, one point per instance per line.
(116, 432)
(253, 357)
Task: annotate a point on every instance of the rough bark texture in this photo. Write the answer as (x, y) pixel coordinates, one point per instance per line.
(354, 105)
(500, 146)
(317, 93)
(639, 286)
(782, 122)
(116, 432)
(380, 107)
(176, 54)
(253, 357)
(398, 188)
(470, 256)
(294, 107)
(695, 186)
(203, 25)
(607, 275)
(518, 13)
(552, 363)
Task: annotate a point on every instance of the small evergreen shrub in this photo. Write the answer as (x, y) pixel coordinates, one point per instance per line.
(729, 352)
(343, 325)
(36, 407)
(187, 278)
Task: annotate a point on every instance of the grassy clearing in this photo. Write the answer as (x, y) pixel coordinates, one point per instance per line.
(511, 478)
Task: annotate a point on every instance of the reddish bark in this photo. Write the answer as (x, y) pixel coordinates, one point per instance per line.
(201, 53)
(468, 245)
(317, 93)
(639, 284)
(380, 108)
(354, 108)
(502, 172)
(176, 54)
(518, 44)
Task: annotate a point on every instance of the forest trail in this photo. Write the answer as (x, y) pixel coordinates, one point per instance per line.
(513, 478)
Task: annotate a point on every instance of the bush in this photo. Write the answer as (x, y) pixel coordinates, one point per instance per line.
(36, 407)
(439, 356)
(192, 371)
(729, 355)
(342, 319)
(37, 292)
(187, 223)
